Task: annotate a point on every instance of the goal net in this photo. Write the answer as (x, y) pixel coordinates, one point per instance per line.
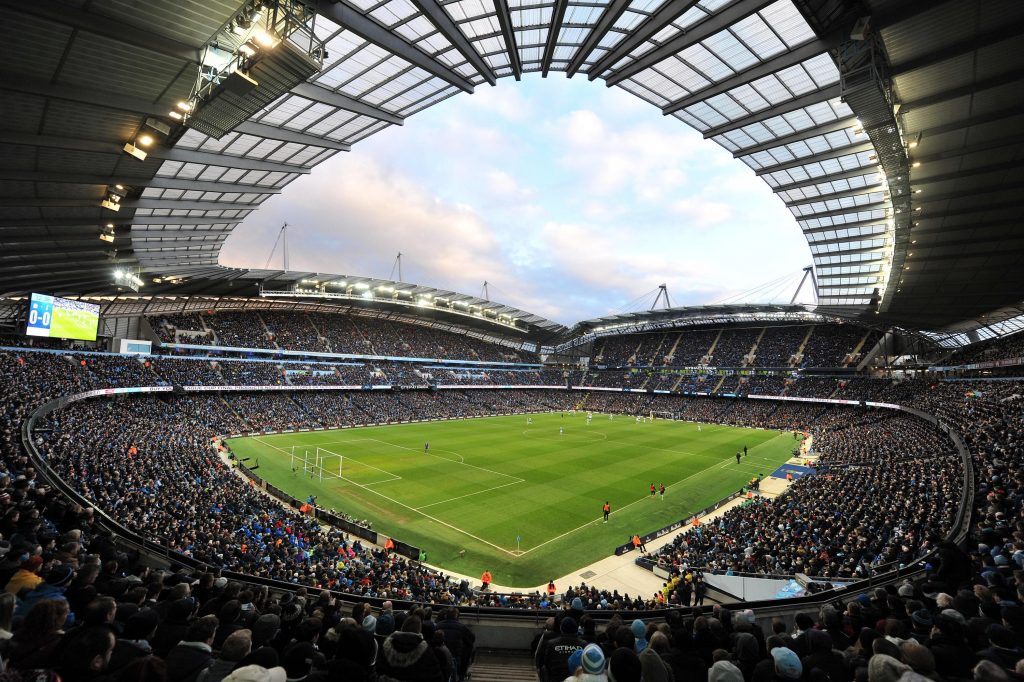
(316, 463)
(671, 416)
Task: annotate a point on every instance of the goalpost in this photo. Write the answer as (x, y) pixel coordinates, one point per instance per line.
(669, 416)
(316, 462)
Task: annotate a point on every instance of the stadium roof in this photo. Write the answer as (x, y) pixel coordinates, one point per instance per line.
(779, 83)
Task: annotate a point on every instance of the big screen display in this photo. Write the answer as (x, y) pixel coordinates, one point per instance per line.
(62, 318)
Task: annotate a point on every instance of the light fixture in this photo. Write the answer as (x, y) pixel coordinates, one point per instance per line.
(144, 140)
(248, 48)
(918, 208)
(913, 241)
(916, 164)
(265, 38)
(185, 106)
(110, 205)
(175, 115)
(158, 125)
(119, 186)
(139, 154)
(917, 191)
(915, 141)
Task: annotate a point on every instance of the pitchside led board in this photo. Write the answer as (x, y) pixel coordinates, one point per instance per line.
(62, 318)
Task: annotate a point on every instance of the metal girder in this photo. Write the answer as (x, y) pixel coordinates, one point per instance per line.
(957, 49)
(925, 198)
(557, 16)
(16, 82)
(843, 240)
(957, 175)
(844, 226)
(858, 252)
(844, 211)
(318, 93)
(798, 136)
(286, 135)
(367, 29)
(129, 181)
(67, 14)
(980, 119)
(976, 86)
(661, 18)
(775, 64)
(172, 154)
(813, 97)
(17, 223)
(143, 234)
(509, 34)
(446, 27)
(845, 175)
(737, 11)
(877, 187)
(971, 209)
(999, 143)
(194, 205)
(858, 261)
(855, 148)
(600, 30)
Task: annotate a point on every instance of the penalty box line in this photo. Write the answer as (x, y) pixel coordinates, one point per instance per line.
(413, 509)
(721, 465)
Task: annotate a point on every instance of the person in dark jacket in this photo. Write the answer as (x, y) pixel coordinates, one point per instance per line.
(133, 642)
(948, 646)
(459, 639)
(553, 657)
(405, 657)
(824, 658)
(194, 654)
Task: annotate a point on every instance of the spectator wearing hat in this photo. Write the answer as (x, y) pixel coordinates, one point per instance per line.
(949, 647)
(885, 668)
(786, 664)
(405, 657)
(639, 630)
(552, 658)
(592, 666)
(57, 580)
(724, 671)
(824, 658)
(257, 673)
(1002, 647)
(921, 624)
(26, 577)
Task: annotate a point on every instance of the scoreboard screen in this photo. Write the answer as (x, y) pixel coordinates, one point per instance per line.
(62, 318)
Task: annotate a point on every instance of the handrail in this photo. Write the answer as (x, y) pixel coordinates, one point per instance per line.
(957, 533)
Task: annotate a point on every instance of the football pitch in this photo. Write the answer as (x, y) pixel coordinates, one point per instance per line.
(520, 499)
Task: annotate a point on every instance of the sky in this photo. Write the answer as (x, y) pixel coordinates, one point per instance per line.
(571, 199)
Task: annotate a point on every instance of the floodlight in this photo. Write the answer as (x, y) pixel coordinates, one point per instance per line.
(916, 164)
(185, 106)
(144, 140)
(265, 38)
(175, 115)
(110, 205)
(139, 154)
(367, 294)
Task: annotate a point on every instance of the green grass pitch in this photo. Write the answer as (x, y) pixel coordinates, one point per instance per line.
(486, 481)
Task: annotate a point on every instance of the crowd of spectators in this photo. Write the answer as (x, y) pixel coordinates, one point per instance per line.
(733, 347)
(999, 348)
(830, 344)
(778, 344)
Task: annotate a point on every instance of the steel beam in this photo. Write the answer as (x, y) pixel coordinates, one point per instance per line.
(557, 16)
(999, 143)
(56, 202)
(855, 148)
(286, 135)
(996, 81)
(737, 11)
(446, 27)
(173, 154)
(959, 48)
(509, 34)
(877, 187)
(367, 29)
(775, 64)
(845, 175)
(799, 136)
(129, 181)
(18, 223)
(662, 17)
(845, 211)
(597, 34)
(957, 175)
(16, 82)
(844, 226)
(813, 97)
(954, 126)
(67, 14)
(319, 93)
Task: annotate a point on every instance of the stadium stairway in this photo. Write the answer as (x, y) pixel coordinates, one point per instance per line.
(492, 665)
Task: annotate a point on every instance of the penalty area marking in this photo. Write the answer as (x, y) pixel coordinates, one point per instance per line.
(722, 465)
(413, 509)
